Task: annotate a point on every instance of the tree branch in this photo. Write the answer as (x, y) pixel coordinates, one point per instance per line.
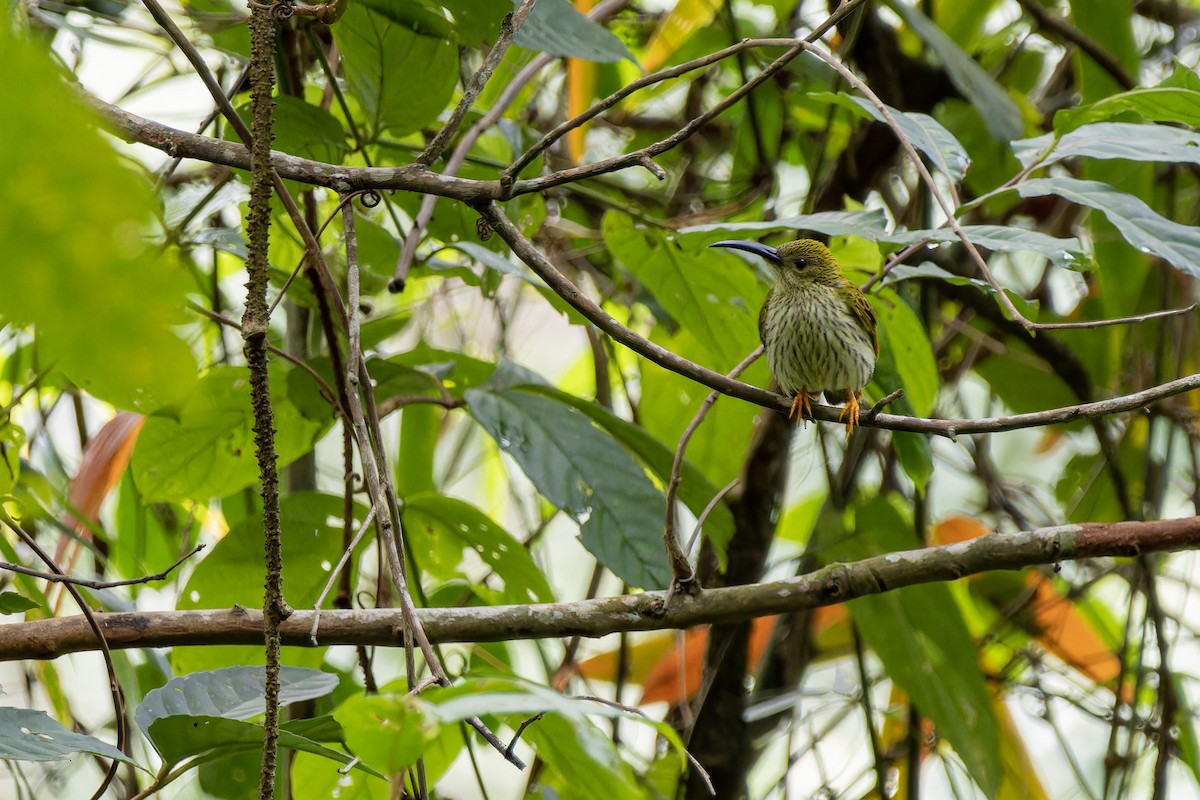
(836, 583)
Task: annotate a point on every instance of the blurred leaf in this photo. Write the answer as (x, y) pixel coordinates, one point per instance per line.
(415, 15)
(999, 111)
(555, 27)
(712, 295)
(12, 437)
(76, 230)
(1132, 141)
(376, 53)
(915, 456)
(208, 451)
(583, 472)
(1141, 225)
(924, 132)
(476, 23)
(675, 28)
(27, 735)
(585, 758)
(431, 519)
(935, 661)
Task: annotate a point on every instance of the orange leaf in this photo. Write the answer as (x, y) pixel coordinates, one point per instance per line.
(581, 90)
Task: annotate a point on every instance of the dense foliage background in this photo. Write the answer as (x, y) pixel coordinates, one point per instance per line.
(534, 333)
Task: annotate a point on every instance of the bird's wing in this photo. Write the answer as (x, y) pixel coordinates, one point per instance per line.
(861, 308)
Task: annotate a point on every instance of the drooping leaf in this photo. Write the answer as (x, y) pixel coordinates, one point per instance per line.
(583, 472)
(1138, 223)
(1067, 253)
(76, 230)
(28, 735)
(14, 603)
(925, 133)
(935, 660)
(384, 60)
(1000, 113)
(1176, 99)
(208, 450)
(867, 224)
(556, 27)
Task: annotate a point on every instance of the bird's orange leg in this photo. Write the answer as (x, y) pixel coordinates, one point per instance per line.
(801, 407)
(850, 413)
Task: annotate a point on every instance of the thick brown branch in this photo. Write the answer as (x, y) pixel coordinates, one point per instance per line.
(836, 583)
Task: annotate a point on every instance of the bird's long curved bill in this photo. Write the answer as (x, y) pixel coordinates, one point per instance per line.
(761, 250)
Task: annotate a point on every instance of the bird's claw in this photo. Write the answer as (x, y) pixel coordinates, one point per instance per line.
(850, 414)
(801, 408)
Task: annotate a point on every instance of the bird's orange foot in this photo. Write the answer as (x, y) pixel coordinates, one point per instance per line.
(850, 414)
(801, 407)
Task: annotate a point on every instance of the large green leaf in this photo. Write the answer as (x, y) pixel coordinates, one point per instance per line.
(555, 26)
(1068, 253)
(586, 474)
(1137, 222)
(1000, 113)
(925, 133)
(77, 262)
(712, 295)
(920, 636)
(232, 693)
(867, 224)
(694, 489)
(402, 79)
(441, 529)
(28, 735)
(1128, 140)
(208, 449)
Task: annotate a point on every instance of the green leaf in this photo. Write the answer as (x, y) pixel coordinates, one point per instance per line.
(476, 23)
(302, 129)
(383, 62)
(1127, 140)
(695, 490)
(232, 573)
(208, 450)
(388, 731)
(556, 27)
(713, 296)
(414, 15)
(1137, 222)
(449, 526)
(232, 693)
(1067, 253)
(1176, 99)
(585, 758)
(908, 346)
(915, 456)
(78, 265)
(1000, 113)
(924, 132)
(13, 603)
(867, 224)
(586, 474)
(181, 736)
(934, 659)
(27, 735)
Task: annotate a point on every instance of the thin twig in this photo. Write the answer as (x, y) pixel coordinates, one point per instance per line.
(59, 577)
(681, 568)
(525, 723)
(508, 30)
(1101, 323)
(333, 575)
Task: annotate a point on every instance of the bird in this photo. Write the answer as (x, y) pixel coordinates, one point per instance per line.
(819, 331)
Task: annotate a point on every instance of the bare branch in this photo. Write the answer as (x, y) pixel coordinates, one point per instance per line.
(833, 584)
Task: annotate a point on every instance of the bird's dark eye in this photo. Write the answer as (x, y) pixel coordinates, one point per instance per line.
(801, 263)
